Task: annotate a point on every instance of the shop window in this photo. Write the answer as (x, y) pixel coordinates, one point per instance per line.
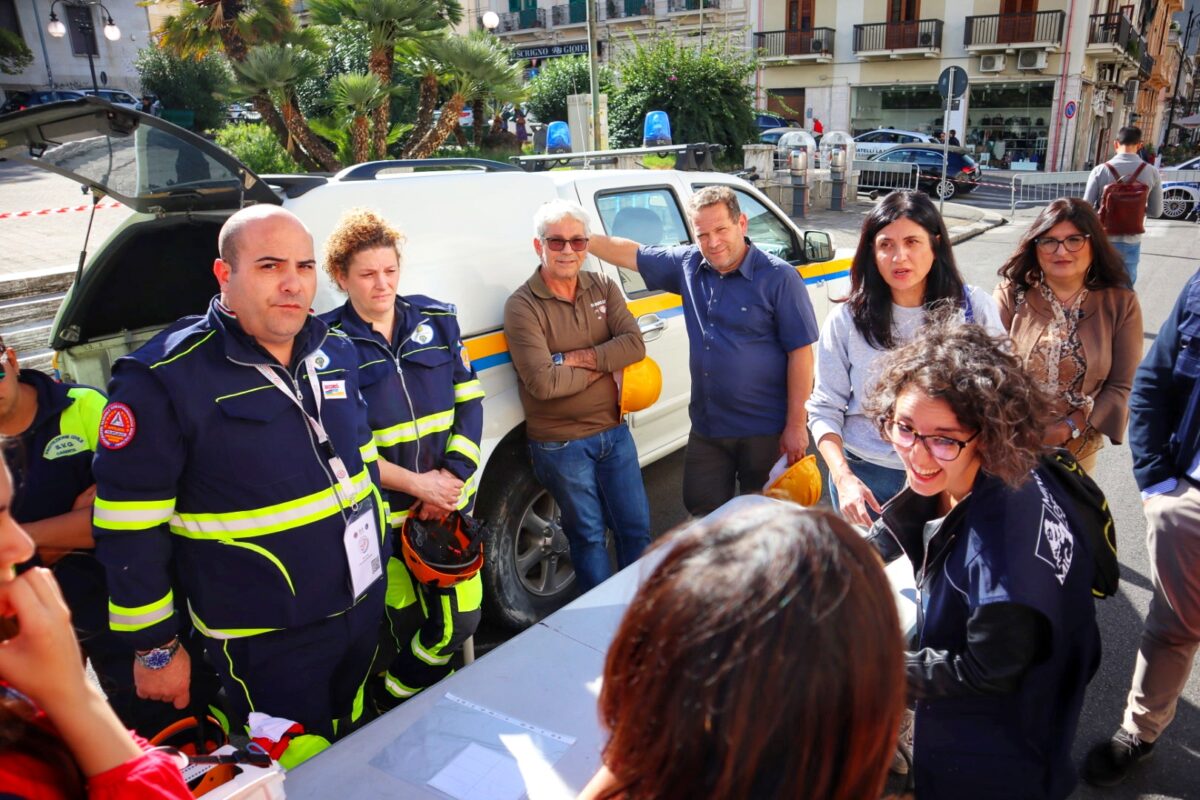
(907, 107)
(8, 18)
(1008, 124)
(649, 216)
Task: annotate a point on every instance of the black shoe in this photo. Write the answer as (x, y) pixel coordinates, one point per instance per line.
(1109, 763)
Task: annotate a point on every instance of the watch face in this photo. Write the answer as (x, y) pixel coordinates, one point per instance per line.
(156, 659)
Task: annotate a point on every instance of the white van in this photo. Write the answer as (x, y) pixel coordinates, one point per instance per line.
(469, 230)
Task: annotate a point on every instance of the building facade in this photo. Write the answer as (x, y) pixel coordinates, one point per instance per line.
(63, 63)
(1050, 81)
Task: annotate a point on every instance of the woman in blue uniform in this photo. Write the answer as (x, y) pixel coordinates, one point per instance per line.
(425, 408)
(1007, 637)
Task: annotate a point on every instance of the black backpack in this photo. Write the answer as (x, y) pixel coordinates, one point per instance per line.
(1099, 528)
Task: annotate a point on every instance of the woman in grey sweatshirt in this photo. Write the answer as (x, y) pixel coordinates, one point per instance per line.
(904, 266)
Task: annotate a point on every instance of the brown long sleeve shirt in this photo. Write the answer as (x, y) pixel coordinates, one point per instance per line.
(560, 403)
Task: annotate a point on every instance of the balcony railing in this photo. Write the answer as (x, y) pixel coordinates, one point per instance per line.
(623, 9)
(925, 33)
(777, 44)
(1145, 65)
(1042, 27)
(1111, 29)
(692, 5)
(522, 20)
(569, 13)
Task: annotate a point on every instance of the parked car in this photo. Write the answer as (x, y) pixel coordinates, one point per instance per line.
(156, 267)
(768, 121)
(18, 101)
(239, 112)
(1180, 197)
(118, 97)
(962, 173)
(874, 142)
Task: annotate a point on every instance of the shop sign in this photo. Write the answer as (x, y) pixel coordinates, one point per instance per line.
(550, 51)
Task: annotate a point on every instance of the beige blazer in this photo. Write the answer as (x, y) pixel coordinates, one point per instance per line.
(1111, 334)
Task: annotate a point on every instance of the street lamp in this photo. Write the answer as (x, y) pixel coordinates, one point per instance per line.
(1175, 89)
(57, 29)
(491, 20)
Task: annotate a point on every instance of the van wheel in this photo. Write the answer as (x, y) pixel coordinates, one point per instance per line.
(527, 570)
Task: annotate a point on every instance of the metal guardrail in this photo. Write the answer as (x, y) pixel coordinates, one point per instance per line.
(1042, 187)
(886, 176)
(1114, 29)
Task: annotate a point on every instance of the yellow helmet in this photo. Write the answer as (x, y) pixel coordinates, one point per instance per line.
(641, 384)
(800, 483)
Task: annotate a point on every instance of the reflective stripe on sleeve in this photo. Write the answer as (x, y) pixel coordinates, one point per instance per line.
(468, 491)
(131, 515)
(413, 430)
(468, 390)
(465, 447)
(268, 519)
(121, 618)
(368, 452)
(228, 633)
(396, 518)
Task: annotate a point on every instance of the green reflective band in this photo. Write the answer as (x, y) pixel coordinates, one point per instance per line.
(467, 391)
(267, 554)
(227, 633)
(396, 688)
(368, 452)
(428, 656)
(396, 518)
(131, 515)
(203, 339)
(121, 618)
(268, 519)
(468, 491)
(464, 446)
(411, 431)
(82, 417)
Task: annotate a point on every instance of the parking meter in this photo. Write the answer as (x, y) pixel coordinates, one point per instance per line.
(837, 150)
(799, 149)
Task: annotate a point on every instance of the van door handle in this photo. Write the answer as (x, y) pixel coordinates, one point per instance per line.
(652, 326)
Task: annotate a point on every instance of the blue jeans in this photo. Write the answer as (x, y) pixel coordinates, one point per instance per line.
(1131, 253)
(884, 482)
(597, 484)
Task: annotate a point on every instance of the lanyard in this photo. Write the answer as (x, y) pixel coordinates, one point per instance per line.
(346, 493)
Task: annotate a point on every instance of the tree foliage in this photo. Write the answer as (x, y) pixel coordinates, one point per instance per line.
(258, 148)
(15, 55)
(184, 83)
(705, 90)
(559, 78)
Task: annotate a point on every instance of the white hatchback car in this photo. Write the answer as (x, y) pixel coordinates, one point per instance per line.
(874, 142)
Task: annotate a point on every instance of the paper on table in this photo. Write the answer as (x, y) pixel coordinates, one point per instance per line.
(480, 773)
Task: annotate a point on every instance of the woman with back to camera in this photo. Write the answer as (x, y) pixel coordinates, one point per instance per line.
(58, 736)
(1076, 324)
(904, 266)
(732, 675)
(1008, 638)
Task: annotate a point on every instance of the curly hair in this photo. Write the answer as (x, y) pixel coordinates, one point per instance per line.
(870, 299)
(359, 229)
(1023, 271)
(984, 384)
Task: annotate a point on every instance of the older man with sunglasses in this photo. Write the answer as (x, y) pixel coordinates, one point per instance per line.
(568, 332)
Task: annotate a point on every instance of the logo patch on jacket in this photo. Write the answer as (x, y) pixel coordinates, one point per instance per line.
(320, 360)
(333, 390)
(1055, 543)
(423, 334)
(117, 426)
(462, 352)
(65, 444)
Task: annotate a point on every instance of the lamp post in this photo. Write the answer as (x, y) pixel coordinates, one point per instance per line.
(1178, 73)
(58, 30)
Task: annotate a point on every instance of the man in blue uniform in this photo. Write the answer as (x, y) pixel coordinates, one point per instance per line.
(236, 483)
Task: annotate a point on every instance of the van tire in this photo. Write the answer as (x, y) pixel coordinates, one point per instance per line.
(527, 570)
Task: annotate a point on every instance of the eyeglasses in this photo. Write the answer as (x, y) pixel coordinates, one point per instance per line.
(578, 244)
(943, 448)
(1049, 245)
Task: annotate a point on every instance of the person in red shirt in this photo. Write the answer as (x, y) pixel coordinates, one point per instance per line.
(59, 739)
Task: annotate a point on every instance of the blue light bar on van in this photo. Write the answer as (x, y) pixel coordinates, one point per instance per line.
(657, 130)
(558, 138)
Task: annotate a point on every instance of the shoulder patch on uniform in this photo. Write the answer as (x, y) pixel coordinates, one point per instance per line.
(423, 333)
(117, 426)
(65, 444)
(1055, 542)
(462, 352)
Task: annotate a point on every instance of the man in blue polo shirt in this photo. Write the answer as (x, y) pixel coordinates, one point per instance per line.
(751, 328)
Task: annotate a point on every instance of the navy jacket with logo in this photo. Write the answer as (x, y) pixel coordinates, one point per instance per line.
(424, 402)
(209, 474)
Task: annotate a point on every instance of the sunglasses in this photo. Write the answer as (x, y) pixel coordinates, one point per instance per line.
(578, 244)
(1049, 245)
(943, 448)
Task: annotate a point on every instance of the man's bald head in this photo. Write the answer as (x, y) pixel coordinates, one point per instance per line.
(236, 226)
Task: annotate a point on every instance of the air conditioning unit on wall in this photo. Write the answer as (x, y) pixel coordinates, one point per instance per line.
(818, 45)
(1106, 73)
(1031, 59)
(1131, 92)
(991, 63)
(925, 39)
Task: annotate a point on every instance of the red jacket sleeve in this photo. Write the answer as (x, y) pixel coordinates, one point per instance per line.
(151, 776)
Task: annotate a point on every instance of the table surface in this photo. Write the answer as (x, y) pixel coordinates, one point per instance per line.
(548, 676)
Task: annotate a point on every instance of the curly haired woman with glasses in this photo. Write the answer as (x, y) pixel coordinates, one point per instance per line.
(1007, 638)
(1075, 323)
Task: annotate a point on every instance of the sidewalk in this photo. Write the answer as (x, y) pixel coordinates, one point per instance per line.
(963, 222)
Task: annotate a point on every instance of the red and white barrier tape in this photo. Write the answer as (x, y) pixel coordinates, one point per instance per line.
(48, 211)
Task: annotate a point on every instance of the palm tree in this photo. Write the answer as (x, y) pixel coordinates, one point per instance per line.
(359, 94)
(233, 27)
(418, 61)
(475, 65)
(389, 23)
(273, 70)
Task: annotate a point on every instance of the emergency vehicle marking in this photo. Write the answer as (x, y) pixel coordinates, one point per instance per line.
(117, 426)
(65, 444)
(1055, 543)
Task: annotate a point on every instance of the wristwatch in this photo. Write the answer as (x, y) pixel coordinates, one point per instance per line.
(1075, 432)
(557, 358)
(159, 657)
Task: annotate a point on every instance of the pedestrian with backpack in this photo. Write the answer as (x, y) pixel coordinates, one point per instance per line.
(1124, 189)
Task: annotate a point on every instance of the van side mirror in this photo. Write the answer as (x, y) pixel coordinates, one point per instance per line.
(818, 246)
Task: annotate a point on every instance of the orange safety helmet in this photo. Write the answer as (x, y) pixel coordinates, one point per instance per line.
(641, 384)
(800, 483)
(443, 552)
